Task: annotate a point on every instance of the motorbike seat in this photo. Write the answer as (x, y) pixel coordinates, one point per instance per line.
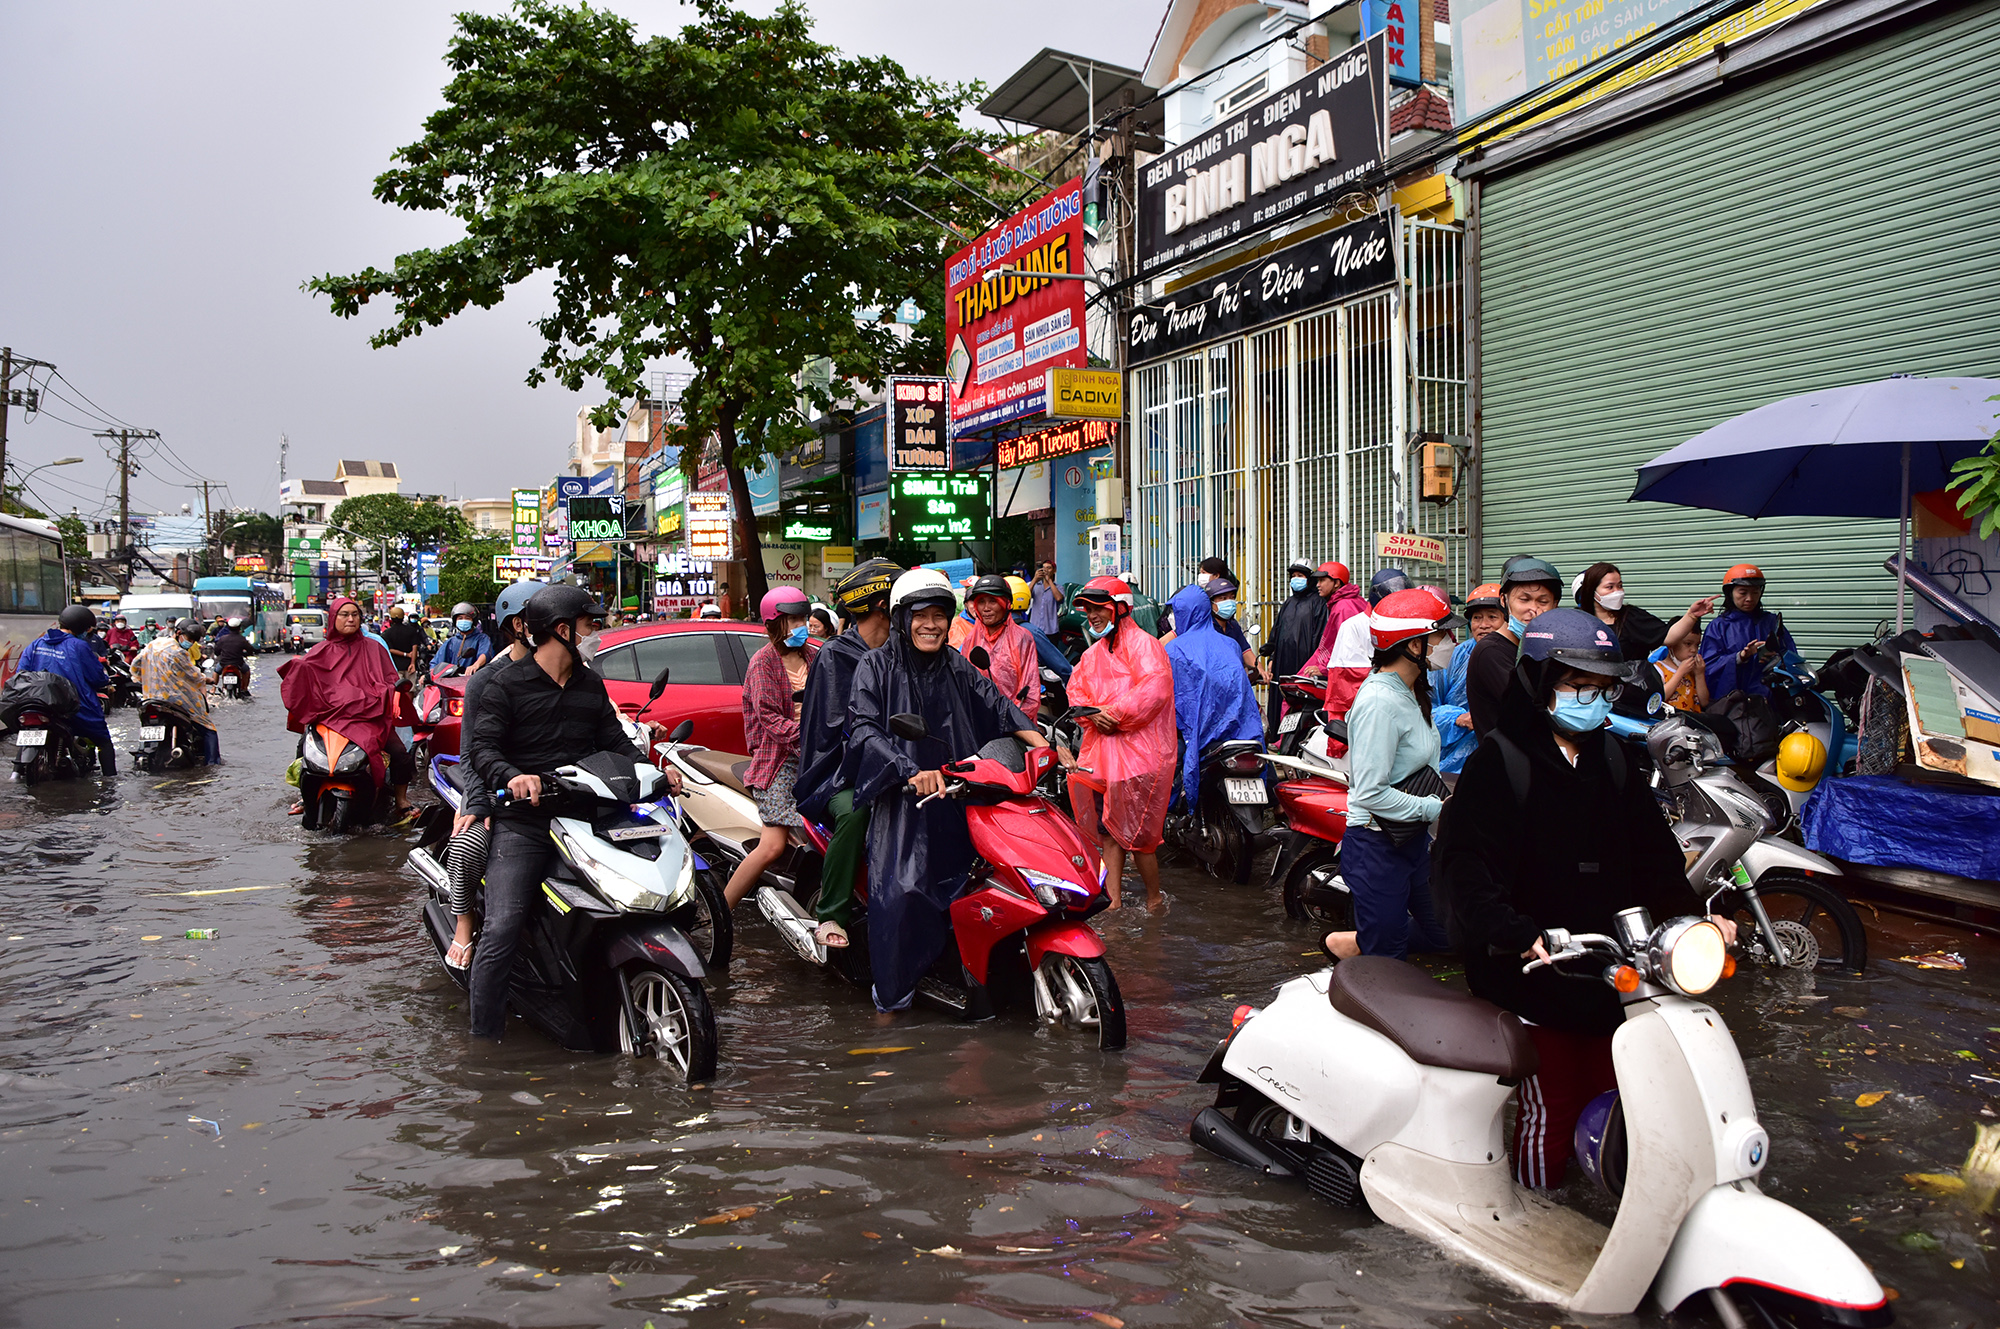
(1436, 1026)
(1229, 747)
(456, 775)
(725, 768)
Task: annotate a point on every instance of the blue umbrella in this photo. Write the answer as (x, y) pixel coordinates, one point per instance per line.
(1843, 452)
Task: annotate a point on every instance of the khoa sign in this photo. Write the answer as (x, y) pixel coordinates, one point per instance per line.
(1298, 149)
(596, 517)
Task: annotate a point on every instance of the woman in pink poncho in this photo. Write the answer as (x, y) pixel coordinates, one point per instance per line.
(1127, 765)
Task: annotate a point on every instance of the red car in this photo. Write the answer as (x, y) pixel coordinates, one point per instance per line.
(704, 660)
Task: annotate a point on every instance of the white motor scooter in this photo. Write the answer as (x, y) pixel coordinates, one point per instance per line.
(1379, 1086)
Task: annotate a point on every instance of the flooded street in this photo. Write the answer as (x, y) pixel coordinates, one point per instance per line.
(288, 1122)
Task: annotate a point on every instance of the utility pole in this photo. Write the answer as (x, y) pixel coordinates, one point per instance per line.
(210, 546)
(10, 397)
(125, 437)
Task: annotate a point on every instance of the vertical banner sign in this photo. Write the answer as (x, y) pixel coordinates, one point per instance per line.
(919, 424)
(1300, 148)
(527, 519)
(1401, 24)
(1004, 332)
(708, 522)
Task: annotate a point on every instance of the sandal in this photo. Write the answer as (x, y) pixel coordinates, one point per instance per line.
(403, 816)
(1332, 957)
(830, 935)
(458, 955)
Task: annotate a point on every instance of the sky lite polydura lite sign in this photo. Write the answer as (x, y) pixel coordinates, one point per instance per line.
(1005, 330)
(1298, 149)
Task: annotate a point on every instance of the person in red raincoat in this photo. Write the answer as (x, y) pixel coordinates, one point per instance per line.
(348, 683)
(1010, 651)
(1124, 776)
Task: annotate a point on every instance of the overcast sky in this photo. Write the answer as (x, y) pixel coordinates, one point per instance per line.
(170, 173)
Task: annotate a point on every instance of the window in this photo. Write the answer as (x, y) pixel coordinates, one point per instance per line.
(1232, 102)
(690, 658)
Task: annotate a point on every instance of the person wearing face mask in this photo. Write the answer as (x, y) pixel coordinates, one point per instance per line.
(536, 715)
(1213, 699)
(165, 673)
(1209, 573)
(1301, 621)
(775, 674)
(1394, 790)
(919, 853)
(1346, 657)
(1528, 586)
(1122, 777)
(1550, 826)
(467, 647)
(1600, 591)
(1483, 615)
(1010, 651)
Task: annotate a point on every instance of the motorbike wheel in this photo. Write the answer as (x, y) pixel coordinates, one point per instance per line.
(1806, 910)
(680, 1024)
(713, 931)
(1222, 832)
(1086, 996)
(1310, 896)
(29, 772)
(333, 812)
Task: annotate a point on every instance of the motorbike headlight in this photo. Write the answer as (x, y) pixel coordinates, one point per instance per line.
(352, 759)
(1049, 888)
(315, 748)
(1689, 955)
(606, 879)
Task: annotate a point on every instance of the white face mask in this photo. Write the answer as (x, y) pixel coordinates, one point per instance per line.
(1203, 578)
(1441, 649)
(1612, 600)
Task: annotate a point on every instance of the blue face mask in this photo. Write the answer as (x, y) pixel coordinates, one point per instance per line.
(1225, 609)
(1097, 634)
(796, 637)
(1516, 626)
(1581, 717)
(465, 625)
(1298, 584)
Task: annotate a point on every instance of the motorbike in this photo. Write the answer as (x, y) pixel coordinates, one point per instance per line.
(1384, 1091)
(337, 784)
(1305, 696)
(121, 688)
(1312, 796)
(1229, 819)
(45, 748)
(169, 738)
(1737, 861)
(232, 680)
(611, 959)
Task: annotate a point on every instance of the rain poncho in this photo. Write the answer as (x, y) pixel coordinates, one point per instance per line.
(1213, 700)
(1127, 677)
(826, 760)
(1730, 633)
(57, 652)
(1344, 604)
(348, 684)
(1301, 623)
(1447, 704)
(167, 673)
(1014, 666)
(917, 856)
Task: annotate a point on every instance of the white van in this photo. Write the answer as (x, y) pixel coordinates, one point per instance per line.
(164, 607)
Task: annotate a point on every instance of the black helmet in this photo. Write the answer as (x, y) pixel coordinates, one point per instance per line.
(557, 604)
(463, 609)
(867, 587)
(1522, 570)
(1387, 581)
(1581, 641)
(187, 627)
(77, 619)
(993, 585)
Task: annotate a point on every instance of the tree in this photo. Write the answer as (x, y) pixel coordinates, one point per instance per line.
(401, 527)
(740, 195)
(255, 533)
(465, 572)
(1979, 486)
(75, 536)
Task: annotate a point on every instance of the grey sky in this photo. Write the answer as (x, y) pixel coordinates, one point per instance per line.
(173, 172)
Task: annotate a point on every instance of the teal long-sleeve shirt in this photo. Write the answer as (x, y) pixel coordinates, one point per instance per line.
(1388, 739)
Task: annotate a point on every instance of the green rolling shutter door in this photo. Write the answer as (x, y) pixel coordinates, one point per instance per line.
(1831, 225)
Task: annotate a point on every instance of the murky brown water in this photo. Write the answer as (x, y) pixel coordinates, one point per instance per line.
(288, 1123)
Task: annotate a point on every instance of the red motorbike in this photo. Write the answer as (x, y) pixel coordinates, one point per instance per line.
(1314, 800)
(439, 711)
(1020, 924)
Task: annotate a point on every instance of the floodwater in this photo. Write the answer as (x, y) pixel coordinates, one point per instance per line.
(287, 1122)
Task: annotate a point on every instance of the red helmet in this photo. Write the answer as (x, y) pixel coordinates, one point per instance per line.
(1337, 571)
(1743, 574)
(1417, 612)
(1486, 596)
(1104, 590)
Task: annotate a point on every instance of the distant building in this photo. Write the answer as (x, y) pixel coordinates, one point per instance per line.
(312, 501)
(368, 477)
(489, 516)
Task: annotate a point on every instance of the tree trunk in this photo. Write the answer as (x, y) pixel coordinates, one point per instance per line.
(748, 547)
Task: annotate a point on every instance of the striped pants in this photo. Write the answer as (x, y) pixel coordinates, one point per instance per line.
(1575, 1068)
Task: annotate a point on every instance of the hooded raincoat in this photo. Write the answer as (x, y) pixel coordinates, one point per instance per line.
(1213, 699)
(1448, 703)
(1729, 634)
(826, 758)
(1126, 676)
(1014, 668)
(348, 684)
(166, 673)
(1301, 623)
(917, 856)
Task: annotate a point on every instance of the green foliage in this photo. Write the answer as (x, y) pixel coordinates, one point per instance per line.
(75, 536)
(1979, 489)
(465, 572)
(405, 528)
(255, 533)
(11, 504)
(737, 195)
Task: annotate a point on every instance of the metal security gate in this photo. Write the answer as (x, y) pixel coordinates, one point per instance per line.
(1293, 441)
(1796, 234)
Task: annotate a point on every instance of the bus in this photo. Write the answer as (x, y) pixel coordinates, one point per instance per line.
(34, 586)
(262, 608)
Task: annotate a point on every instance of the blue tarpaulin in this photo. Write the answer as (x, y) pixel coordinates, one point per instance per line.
(1884, 822)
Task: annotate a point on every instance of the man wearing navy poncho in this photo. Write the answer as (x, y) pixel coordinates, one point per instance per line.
(1213, 699)
(918, 856)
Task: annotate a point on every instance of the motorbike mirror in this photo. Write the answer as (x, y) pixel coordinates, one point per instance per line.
(659, 684)
(1050, 676)
(1656, 705)
(909, 728)
(1253, 629)
(1083, 710)
(681, 732)
(980, 659)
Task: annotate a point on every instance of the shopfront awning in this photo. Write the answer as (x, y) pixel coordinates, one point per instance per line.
(1059, 91)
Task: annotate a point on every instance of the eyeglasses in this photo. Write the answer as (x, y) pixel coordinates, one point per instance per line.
(1589, 695)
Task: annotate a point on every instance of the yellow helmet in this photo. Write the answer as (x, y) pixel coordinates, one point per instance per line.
(1020, 589)
(1801, 761)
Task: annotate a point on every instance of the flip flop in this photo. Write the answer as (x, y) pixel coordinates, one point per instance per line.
(830, 935)
(1327, 950)
(464, 959)
(404, 816)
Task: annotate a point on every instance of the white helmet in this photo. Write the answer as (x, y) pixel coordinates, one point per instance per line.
(922, 586)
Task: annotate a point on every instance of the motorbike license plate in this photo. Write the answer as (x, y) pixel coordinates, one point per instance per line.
(1246, 791)
(152, 733)
(1289, 723)
(652, 832)
(32, 738)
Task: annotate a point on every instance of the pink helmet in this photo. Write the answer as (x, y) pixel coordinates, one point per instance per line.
(784, 600)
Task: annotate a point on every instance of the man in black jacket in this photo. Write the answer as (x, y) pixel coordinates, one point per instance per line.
(1528, 586)
(1301, 621)
(546, 711)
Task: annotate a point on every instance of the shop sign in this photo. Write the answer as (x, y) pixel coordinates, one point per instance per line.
(919, 437)
(669, 486)
(1004, 333)
(527, 520)
(1300, 148)
(871, 516)
(1056, 441)
(1504, 49)
(941, 509)
(555, 535)
(683, 590)
(596, 517)
(809, 531)
(836, 560)
(1401, 23)
(669, 522)
(521, 567)
(708, 522)
(250, 563)
(569, 487)
(1335, 266)
(1403, 547)
(1086, 394)
(785, 565)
